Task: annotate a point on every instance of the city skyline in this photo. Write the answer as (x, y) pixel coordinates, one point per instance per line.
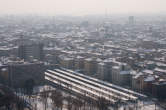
(82, 55)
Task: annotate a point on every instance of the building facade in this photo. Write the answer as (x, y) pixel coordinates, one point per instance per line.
(31, 51)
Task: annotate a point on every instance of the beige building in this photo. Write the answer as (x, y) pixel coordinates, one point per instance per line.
(90, 66)
(115, 74)
(121, 74)
(138, 82)
(101, 70)
(79, 63)
(125, 78)
(67, 62)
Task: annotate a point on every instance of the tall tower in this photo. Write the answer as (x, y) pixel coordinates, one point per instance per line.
(131, 20)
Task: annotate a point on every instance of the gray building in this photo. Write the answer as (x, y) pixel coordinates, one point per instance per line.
(31, 51)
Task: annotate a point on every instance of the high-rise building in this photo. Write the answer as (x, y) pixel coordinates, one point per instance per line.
(90, 66)
(31, 51)
(20, 74)
(121, 74)
(67, 62)
(79, 63)
(131, 20)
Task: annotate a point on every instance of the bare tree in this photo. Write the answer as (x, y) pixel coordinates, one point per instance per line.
(70, 102)
(28, 86)
(102, 103)
(57, 99)
(77, 103)
(20, 104)
(44, 95)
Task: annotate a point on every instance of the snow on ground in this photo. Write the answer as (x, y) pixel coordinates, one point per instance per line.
(38, 102)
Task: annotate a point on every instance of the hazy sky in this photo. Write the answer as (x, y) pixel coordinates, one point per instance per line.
(81, 7)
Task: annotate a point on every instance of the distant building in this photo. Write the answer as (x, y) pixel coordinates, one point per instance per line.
(158, 89)
(31, 51)
(109, 63)
(121, 75)
(4, 75)
(67, 62)
(115, 74)
(19, 74)
(138, 82)
(90, 66)
(101, 70)
(131, 20)
(148, 83)
(79, 63)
